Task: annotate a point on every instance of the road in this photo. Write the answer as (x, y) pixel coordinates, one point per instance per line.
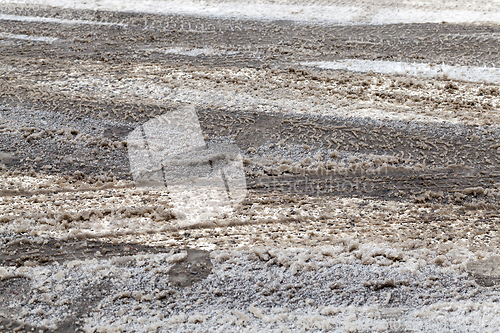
(373, 191)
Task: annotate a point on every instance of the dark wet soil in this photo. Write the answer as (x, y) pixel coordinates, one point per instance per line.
(196, 267)
(82, 135)
(47, 251)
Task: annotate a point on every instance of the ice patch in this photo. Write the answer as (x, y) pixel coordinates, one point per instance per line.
(195, 51)
(337, 13)
(461, 73)
(202, 180)
(191, 53)
(20, 18)
(392, 16)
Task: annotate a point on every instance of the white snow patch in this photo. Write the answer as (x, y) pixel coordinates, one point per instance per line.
(336, 13)
(192, 52)
(461, 73)
(27, 37)
(20, 18)
(195, 51)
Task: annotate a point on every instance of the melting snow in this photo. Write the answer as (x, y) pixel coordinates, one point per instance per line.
(461, 73)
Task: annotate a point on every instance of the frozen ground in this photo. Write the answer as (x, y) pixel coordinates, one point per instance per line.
(369, 136)
(329, 12)
(460, 73)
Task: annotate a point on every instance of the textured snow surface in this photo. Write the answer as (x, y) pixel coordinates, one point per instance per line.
(267, 98)
(334, 12)
(26, 37)
(5, 17)
(278, 263)
(460, 73)
(329, 288)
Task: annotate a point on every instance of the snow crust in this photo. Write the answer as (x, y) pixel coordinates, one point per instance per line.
(443, 71)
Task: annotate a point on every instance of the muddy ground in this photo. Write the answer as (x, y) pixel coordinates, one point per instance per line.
(372, 199)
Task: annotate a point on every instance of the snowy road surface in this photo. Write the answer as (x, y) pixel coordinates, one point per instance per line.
(366, 135)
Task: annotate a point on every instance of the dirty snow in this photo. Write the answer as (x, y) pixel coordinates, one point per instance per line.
(435, 71)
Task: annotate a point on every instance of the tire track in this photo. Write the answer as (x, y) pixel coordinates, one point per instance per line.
(363, 188)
